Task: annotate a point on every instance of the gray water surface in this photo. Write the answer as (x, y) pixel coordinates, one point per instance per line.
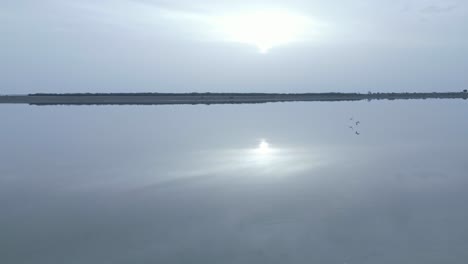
(273, 183)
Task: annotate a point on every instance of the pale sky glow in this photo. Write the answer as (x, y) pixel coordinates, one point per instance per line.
(264, 29)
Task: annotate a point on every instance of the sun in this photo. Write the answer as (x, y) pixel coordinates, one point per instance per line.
(264, 147)
(263, 29)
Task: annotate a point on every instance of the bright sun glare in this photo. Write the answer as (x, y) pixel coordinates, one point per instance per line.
(263, 147)
(263, 29)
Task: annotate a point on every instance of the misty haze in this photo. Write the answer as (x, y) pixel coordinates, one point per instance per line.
(151, 131)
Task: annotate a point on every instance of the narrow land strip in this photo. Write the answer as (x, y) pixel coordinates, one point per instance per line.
(213, 98)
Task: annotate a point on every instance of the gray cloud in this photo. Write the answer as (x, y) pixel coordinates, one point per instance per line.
(435, 9)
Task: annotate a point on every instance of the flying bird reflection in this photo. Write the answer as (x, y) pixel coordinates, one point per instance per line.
(354, 125)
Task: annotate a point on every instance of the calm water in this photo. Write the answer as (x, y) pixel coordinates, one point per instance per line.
(273, 183)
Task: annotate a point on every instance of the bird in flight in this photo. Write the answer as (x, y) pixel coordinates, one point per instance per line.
(354, 125)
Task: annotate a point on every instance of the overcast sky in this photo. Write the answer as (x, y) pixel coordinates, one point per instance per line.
(185, 46)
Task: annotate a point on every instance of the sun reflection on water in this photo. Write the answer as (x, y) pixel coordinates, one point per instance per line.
(262, 155)
(264, 159)
(268, 159)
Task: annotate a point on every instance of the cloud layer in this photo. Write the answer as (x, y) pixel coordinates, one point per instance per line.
(80, 46)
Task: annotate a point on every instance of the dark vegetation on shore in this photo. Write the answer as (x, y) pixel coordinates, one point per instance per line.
(193, 94)
(370, 94)
(213, 98)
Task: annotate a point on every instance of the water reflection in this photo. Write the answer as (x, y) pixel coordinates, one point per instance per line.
(259, 161)
(263, 155)
(189, 184)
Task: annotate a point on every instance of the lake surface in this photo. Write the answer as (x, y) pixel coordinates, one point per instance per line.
(271, 183)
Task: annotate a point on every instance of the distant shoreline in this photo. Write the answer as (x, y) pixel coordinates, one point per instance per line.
(212, 98)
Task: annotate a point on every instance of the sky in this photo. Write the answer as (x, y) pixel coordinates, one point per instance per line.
(233, 46)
